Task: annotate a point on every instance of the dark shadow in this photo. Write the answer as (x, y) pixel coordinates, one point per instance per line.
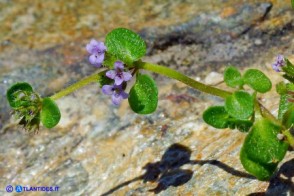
(224, 167)
(283, 179)
(121, 185)
(167, 172)
(281, 183)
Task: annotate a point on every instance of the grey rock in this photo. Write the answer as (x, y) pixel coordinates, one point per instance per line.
(207, 27)
(98, 148)
(74, 177)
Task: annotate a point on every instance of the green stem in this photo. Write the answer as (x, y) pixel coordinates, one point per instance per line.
(267, 114)
(85, 81)
(198, 85)
(183, 78)
(163, 71)
(257, 109)
(261, 111)
(289, 136)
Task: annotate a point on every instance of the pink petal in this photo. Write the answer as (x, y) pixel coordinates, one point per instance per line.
(118, 65)
(118, 80)
(91, 47)
(127, 76)
(280, 58)
(116, 99)
(101, 46)
(107, 89)
(96, 60)
(111, 74)
(124, 95)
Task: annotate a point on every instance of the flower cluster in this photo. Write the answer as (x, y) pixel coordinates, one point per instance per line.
(28, 110)
(279, 63)
(116, 90)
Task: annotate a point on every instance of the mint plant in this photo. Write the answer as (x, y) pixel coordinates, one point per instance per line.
(268, 137)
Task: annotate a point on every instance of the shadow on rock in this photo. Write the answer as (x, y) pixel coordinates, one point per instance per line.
(167, 172)
(281, 184)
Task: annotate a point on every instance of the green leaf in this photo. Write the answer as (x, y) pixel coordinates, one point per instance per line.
(50, 114)
(281, 88)
(289, 78)
(257, 80)
(288, 117)
(125, 45)
(143, 95)
(241, 125)
(288, 68)
(260, 171)
(232, 77)
(284, 104)
(16, 92)
(216, 116)
(262, 151)
(239, 105)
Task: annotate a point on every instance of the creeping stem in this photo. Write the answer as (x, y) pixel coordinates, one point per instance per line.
(183, 78)
(197, 85)
(163, 71)
(90, 79)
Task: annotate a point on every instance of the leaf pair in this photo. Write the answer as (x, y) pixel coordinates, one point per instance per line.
(238, 108)
(254, 78)
(218, 117)
(31, 108)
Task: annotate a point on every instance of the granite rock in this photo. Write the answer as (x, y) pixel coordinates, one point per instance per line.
(100, 149)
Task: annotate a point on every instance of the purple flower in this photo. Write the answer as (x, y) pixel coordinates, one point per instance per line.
(97, 50)
(118, 75)
(280, 62)
(116, 92)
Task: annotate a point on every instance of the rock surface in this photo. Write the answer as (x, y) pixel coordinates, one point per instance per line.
(100, 149)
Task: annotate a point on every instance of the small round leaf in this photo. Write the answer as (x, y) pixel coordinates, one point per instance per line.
(232, 77)
(143, 95)
(125, 45)
(257, 80)
(262, 150)
(240, 105)
(50, 114)
(11, 94)
(216, 116)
